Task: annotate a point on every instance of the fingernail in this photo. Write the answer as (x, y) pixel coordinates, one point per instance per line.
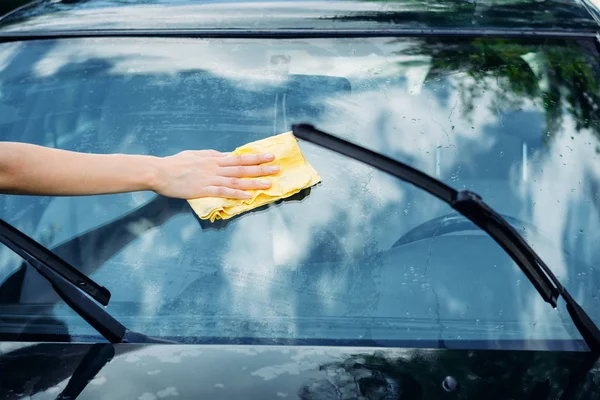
(269, 156)
(264, 183)
(247, 195)
(272, 168)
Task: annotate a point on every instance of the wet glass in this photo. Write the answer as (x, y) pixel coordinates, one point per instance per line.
(515, 121)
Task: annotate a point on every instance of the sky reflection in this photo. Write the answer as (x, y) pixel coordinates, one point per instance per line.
(321, 265)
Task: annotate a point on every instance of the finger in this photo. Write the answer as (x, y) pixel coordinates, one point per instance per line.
(242, 184)
(246, 159)
(209, 153)
(225, 192)
(248, 171)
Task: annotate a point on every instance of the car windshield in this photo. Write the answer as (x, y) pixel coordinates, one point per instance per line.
(355, 259)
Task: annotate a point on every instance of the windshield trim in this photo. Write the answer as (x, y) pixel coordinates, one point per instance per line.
(13, 36)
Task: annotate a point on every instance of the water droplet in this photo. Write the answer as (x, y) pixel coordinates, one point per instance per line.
(450, 384)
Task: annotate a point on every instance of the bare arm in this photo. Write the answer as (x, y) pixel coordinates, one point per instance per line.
(37, 170)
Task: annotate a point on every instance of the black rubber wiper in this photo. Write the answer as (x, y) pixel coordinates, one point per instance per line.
(54, 262)
(474, 208)
(69, 291)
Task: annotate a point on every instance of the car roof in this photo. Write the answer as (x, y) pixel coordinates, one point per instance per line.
(68, 15)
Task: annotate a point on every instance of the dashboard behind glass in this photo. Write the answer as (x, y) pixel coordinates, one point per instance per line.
(316, 265)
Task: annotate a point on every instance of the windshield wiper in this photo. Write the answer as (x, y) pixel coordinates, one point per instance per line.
(69, 291)
(54, 262)
(474, 208)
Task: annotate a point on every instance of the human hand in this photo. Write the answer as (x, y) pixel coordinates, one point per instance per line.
(209, 173)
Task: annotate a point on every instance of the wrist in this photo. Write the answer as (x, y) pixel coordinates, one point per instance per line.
(151, 177)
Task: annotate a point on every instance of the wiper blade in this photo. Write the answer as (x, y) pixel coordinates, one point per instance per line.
(54, 262)
(92, 313)
(474, 208)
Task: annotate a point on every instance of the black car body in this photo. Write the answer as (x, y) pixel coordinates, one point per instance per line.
(361, 287)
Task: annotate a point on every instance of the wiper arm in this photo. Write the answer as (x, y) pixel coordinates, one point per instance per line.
(54, 262)
(474, 208)
(95, 315)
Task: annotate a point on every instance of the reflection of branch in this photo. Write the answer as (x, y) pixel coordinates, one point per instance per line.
(453, 14)
(90, 250)
(567, 68)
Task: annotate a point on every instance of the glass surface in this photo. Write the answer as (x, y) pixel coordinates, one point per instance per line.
(516, 121)
(308, 14)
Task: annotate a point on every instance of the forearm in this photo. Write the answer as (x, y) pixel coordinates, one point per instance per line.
(31, 169)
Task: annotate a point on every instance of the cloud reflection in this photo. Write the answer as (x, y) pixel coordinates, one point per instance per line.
(321, 266)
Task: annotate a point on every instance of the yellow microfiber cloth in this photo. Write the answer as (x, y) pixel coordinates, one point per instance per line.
(295, 174)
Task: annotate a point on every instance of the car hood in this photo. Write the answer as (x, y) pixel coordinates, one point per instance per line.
(134, 371)
(344, 14)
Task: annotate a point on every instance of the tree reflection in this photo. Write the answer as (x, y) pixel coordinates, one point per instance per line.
(427, 374)
(522, 14)
(560, 77)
